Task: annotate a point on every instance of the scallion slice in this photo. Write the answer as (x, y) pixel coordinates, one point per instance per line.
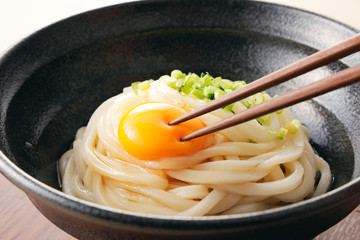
(263, 119)
(258, 99)
(281, 133)
(178, 74)
(140, 86)
(208, 88)
(293, 126)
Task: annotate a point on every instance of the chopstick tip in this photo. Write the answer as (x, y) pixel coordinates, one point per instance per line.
(172, 123)
(186, 138)
(178, 120)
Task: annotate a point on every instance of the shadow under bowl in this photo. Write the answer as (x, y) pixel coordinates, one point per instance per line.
(52, 81)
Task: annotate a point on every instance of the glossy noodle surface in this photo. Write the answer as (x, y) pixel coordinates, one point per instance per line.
(127, 157)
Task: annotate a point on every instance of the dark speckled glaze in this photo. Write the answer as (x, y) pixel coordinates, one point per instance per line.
(51, 82)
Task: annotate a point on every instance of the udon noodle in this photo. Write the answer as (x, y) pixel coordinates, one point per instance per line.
(245, 168)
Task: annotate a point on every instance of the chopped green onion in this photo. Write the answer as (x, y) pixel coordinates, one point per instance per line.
(293, 126)
(281, 133)
(178, 74)
(219, 93)
(209, 92)
(194, 77)
(258, 99)
(217, 82)
(263, 119)
(227, 84)
(135, 86)
(246, 104)
(170, 81)
(140, 86)
(206, 80)
(197, 92)
(238, 84)
(228, 107)
(210, 96)
(164, 77)
(190, 81)
(266, 96)
(227, 91)
(144, 85)
(208, 88)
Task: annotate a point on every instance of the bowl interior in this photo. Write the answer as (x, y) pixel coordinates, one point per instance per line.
(66, 71)
(60, 96)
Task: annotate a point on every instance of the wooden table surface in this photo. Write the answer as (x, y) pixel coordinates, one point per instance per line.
(19, 219)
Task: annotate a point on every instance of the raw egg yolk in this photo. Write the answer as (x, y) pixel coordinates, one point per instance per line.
(145, 134)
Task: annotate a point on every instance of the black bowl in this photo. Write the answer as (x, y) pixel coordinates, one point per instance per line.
(53, 80)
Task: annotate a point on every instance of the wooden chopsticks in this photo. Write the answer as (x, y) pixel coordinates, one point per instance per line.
(318, 59)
